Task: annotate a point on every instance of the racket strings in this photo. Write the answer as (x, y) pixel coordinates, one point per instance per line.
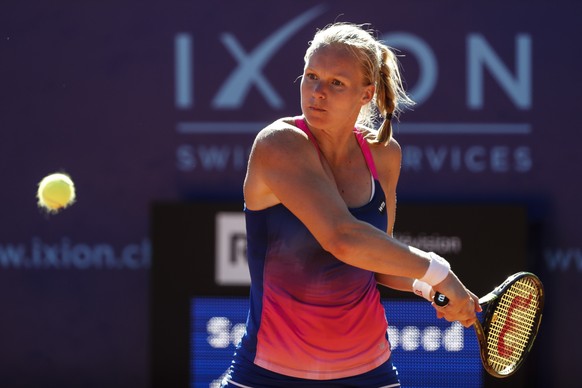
(512, 325)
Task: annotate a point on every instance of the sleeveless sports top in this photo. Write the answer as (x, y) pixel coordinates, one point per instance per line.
(311, 315)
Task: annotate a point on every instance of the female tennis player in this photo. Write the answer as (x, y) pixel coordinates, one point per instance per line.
(320, 205)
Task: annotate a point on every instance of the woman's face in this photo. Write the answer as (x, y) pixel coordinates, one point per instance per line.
(332, 88)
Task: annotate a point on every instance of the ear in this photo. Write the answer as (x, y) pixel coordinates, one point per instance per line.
(368, 94)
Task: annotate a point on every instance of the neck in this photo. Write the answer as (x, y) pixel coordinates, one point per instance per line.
(336, 146)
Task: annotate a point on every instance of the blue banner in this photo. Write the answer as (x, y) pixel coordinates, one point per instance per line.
(427, 352)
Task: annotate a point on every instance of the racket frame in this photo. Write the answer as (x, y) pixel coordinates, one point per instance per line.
(489, 304)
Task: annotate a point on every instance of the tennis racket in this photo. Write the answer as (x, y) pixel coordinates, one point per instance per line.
(512, 314)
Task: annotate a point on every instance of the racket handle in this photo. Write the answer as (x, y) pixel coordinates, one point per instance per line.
(440, 299)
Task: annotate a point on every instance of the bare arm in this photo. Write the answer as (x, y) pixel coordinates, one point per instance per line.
(389, 158)
(388, 162)
(284, 167)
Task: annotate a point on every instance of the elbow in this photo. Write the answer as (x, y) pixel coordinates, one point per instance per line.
(340, 242)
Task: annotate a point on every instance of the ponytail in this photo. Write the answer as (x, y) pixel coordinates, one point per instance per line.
(390, 94)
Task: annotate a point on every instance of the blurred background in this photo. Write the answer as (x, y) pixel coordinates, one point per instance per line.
(152, 108)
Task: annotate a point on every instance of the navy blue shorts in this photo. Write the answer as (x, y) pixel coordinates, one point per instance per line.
(253, 376)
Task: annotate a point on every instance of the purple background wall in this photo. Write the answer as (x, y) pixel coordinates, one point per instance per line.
(133, 101)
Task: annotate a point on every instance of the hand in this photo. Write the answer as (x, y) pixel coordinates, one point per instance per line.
(463, 304)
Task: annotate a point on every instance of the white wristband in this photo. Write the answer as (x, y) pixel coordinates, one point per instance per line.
(421, 288)
(437, 271)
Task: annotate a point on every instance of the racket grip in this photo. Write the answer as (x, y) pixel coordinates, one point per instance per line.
(440, 299)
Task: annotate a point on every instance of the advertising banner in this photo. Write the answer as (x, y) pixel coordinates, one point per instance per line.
(200, 288)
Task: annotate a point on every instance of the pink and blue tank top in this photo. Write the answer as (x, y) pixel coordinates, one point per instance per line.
(311, 315)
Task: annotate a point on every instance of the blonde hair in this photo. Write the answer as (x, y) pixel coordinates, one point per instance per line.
(380, 68)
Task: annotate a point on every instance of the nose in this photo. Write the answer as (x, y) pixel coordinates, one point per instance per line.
(319, 90)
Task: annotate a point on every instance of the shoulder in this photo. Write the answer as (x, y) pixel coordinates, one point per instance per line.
(388, 152)
(281, 138)
(388, 157)
(281, 153)
(279, 130)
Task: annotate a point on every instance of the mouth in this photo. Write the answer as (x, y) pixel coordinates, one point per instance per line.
(316, 109)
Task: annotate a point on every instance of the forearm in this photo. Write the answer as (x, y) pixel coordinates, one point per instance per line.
(361, 245)
(374, 250)
(395, 282)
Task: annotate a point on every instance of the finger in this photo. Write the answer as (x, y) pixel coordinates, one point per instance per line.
(468, 323)
(441, 313)
(439, 308)
(478, 307)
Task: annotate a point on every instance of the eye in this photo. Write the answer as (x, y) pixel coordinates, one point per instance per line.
(310, 76)
(336, 82)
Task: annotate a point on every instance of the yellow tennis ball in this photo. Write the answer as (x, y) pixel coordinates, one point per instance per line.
(56, 192)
